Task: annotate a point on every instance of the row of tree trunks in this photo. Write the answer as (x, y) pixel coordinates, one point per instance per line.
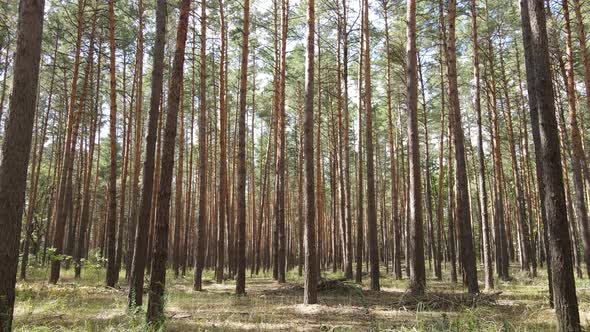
(223, 214)
(580, 170)
(85, 214)
(61, 209)
(38, 150)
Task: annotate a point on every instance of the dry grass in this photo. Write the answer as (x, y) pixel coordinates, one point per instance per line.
(86, 305)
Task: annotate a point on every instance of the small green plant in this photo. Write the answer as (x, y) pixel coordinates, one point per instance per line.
(95, 262)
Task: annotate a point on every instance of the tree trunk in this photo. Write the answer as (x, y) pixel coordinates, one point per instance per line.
(542, 110)
(432, 248)
(584, 53)
(111, 275)
(416, 242)
(155, 310)
(526, 253)
(360, 241)
(203, 199)
(178, 217)
(462, 208)
(16, 149)
(137, 146)
(579, 164)
(483, 202)
(371, 199)
(440, 204)
(143, 223)
(346, 143)
(36, 169)
(310, 295)
(61, 211)
(123, 218)
(85, 213)
(501, 243)
(241, 185)
(281, 145)
(221, 213)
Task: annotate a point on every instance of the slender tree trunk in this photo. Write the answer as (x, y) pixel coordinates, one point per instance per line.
(36, 169)
(155, 310)
(123, 218)
(61, 211)
(137, 146)
(579, 164)
(520, 202)
(432, 248)
(241, 185)
(221, 213)
(396, 253)
(203, 199)
(483, 202)
(253, 215)
(310, 295)
(300, 217)
(143, 223)
(371, 199)
(187, 249)
(501, 243)
(584, 54)
(348, 210)
(319, 183)
(440, 204)
(416, 242)
(111, 275)
(178, 217)
(360, 242)
(463, 213)
(85, 213)
(281, 145)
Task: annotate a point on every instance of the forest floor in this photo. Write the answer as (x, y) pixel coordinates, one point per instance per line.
(87, 305)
